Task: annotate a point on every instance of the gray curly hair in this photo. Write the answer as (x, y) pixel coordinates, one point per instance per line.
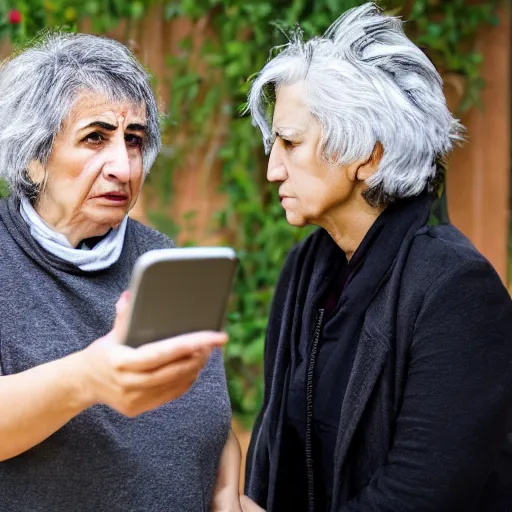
(40, 85)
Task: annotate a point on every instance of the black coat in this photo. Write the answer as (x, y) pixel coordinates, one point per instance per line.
(423, 425)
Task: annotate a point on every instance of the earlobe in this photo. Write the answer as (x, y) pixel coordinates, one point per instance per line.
(36, 172)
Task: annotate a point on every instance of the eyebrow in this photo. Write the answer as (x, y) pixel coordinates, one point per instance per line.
(286, 132)
(111, 127)
(137, 127)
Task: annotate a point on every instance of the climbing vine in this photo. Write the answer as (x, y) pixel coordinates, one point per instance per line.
(245, 31)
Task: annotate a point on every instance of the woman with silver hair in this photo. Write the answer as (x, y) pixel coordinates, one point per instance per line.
(79, 134)
(388, 360)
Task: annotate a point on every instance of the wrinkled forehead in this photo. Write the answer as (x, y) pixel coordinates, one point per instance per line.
(97, 106)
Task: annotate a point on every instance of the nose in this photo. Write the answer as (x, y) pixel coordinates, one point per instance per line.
(276, 170)
(117, 166)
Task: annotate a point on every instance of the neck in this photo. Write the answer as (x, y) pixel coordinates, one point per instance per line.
(349, 223)
(73, 226)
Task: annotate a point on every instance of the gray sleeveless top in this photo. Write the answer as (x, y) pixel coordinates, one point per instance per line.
(163, 460)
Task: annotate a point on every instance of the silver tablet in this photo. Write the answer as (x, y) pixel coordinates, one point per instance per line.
(177, 291)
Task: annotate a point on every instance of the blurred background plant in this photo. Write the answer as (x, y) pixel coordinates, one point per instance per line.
(251, 218)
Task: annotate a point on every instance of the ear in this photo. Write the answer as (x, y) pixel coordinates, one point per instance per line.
(36, 172)
(368, 168)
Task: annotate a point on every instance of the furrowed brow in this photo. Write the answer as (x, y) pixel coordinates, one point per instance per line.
(100, 124)
(137, 127)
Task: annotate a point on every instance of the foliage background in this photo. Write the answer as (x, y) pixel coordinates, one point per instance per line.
(252, 219)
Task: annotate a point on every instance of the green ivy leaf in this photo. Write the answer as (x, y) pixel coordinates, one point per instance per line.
(137, 10)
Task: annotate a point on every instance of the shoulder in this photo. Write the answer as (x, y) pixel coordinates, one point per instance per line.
(447, 280)
(442, 253)
(146, 238)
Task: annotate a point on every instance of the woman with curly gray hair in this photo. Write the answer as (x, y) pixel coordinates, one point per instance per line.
(87, 423)
(388, 360)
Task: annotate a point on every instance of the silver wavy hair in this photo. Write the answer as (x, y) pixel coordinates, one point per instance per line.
(366, 82)
(39, 86)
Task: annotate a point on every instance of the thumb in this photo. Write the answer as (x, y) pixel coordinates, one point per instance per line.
(122, 316)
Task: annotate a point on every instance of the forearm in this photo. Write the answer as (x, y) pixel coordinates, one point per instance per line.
(36, 403)
(228, 481)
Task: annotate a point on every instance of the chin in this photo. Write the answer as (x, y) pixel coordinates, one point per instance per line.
(296, 220)
(112, 219)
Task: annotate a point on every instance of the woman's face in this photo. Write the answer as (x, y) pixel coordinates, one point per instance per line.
(94, 174)
(311, 189)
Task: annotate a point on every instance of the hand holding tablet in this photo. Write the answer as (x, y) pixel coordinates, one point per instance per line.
(178, 291)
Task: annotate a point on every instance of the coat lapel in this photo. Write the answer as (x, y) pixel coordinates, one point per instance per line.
(371, 356)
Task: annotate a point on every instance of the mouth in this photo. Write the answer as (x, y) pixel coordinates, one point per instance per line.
(113, 197)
